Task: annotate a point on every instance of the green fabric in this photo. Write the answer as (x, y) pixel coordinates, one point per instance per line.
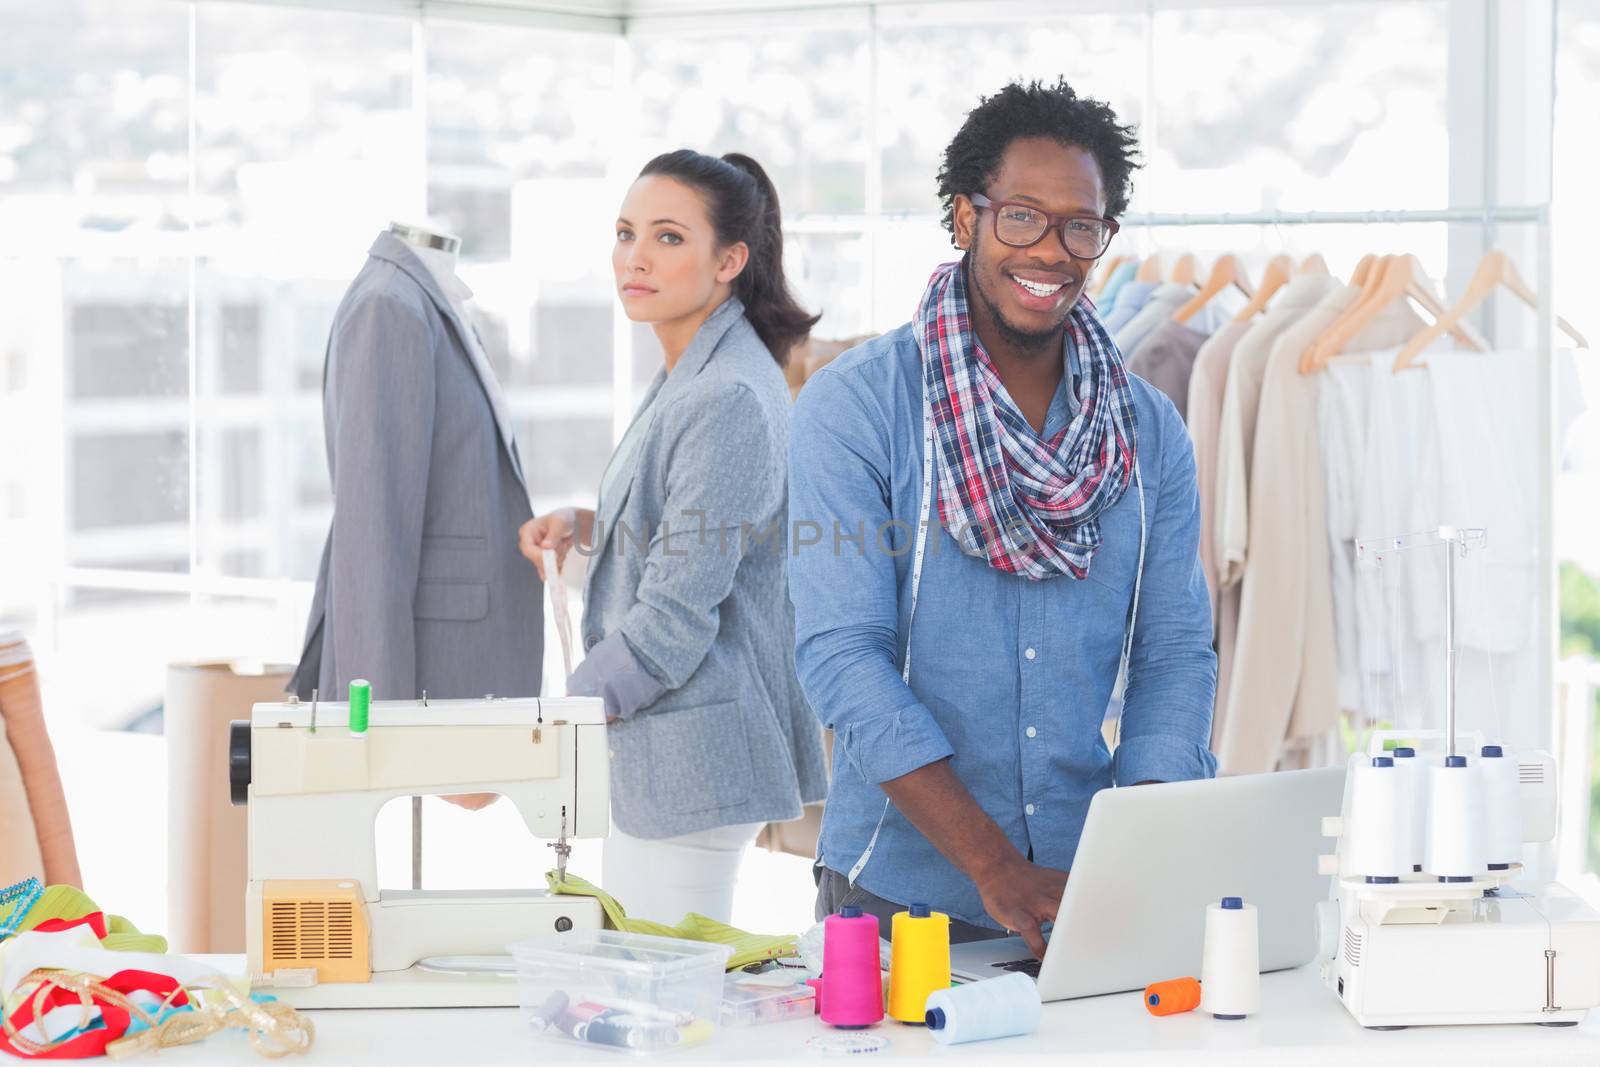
(69, 902)
(747, 948)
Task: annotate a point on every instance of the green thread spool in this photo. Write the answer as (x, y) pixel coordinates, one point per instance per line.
(360, 704)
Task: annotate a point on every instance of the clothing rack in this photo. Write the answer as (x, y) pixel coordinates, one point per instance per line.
(1486, 214)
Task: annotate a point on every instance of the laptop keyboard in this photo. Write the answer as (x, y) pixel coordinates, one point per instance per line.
(1029, 967)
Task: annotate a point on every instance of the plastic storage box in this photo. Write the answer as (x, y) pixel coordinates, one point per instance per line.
(767, 997)
(628, 992)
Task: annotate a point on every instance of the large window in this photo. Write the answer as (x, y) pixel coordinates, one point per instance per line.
(188, 186)
(1578, 501)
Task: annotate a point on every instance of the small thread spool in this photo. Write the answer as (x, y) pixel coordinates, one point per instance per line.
(1172, 997)
(850, 992)
(1455, 821)
(919, 961)
(1230, 966)
(996, 1007)
(1502, 802)
(360, 703)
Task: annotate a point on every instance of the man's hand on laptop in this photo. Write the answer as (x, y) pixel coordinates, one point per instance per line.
(1022, 897)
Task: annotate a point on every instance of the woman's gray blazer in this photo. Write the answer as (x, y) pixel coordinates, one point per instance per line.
(687, 623)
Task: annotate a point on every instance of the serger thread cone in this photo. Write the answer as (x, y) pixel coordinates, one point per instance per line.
(919, 963)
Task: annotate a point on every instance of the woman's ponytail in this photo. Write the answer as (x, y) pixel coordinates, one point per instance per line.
(743, 204)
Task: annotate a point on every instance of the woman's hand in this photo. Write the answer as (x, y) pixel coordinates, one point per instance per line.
(558, 530)
(471, 801)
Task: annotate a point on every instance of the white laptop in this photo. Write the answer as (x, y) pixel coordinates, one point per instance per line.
(1152, 857)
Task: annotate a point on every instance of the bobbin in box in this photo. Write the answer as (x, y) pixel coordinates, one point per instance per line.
(627, 992)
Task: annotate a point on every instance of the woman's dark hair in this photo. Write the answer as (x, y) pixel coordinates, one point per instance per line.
(743, 205)
(1055, 112)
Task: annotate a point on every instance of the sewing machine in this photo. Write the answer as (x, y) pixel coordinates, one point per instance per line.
(1422, 951)
(319, 932)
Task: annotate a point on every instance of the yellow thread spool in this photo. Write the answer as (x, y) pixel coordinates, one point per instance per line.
(919, 961)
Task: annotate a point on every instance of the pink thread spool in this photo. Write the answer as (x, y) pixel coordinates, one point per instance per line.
(850, 992)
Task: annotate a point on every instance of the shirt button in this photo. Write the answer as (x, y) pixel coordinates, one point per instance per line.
(1032, 732)
(1030, 653)
(1028, 809)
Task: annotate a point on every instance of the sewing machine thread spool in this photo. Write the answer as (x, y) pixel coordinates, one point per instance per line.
(850, 994)
(919, 961)
(1230, 964)
(1414, 779)
(1172, 997)
(360, 704)
(996, 1007)
(1502, 802)
(1380, 822)
(1455, 821)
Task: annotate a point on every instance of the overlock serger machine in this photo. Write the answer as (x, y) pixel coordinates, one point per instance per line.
(319, 931)
(1431, 917)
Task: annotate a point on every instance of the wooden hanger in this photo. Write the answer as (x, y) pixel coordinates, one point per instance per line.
(1461, 331)
(1370, 286)
(1224, 272)
(1276, 277)
(1106, 271)
(1186, 270)
(1363, 269)
(1395, 277)
(1313, 264)
(1150, 270)
(1494, 269)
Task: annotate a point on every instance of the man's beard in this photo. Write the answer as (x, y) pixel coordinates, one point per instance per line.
(1013, 335)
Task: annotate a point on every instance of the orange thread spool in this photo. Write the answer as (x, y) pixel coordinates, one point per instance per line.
(1172, 997)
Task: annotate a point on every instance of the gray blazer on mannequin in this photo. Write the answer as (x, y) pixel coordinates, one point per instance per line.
(687, 621)
(421, 585)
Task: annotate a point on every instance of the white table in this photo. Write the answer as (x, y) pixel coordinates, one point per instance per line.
(1300, 1023)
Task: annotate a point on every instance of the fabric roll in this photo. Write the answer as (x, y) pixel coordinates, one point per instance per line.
(20, 858)
(23, 712)
(205, 832)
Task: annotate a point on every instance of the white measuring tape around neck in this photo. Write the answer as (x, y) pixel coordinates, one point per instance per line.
(925, 512)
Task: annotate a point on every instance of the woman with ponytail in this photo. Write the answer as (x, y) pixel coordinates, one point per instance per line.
(687, 624)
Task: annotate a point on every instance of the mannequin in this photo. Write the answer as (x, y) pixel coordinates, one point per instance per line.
(421, 587)
(440, 253)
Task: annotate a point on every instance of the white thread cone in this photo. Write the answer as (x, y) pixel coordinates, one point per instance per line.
(1230, 966)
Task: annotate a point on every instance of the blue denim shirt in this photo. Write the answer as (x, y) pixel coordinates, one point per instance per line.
(1010, 678)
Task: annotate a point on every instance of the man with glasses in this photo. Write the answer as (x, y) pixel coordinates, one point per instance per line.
(991, 519)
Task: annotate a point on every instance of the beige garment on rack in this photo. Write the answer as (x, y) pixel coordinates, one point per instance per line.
(1284, 688)
(1240, 403)
(1207, 383)
(1230, 488)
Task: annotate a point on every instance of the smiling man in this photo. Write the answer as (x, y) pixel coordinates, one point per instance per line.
(1006, 518)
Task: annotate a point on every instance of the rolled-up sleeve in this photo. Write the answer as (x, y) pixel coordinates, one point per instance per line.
(844, 585)
(1172, 670)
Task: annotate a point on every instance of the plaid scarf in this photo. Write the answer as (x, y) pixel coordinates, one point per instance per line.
(1029, 506)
